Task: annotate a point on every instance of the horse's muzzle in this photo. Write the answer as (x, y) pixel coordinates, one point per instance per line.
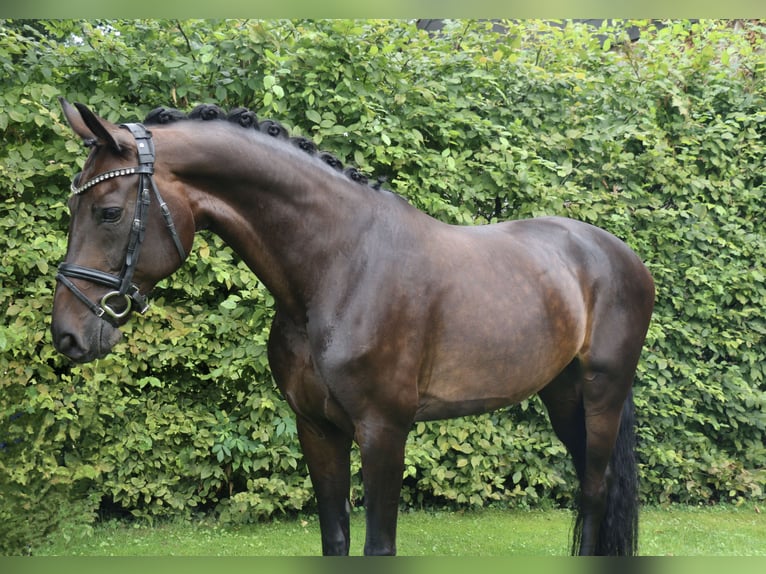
(93, 340)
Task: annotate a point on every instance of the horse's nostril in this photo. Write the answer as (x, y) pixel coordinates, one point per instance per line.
(67, 345)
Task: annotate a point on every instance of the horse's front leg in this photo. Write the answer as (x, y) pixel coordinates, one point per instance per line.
(327, 455)
(325, 447)
(382, 450)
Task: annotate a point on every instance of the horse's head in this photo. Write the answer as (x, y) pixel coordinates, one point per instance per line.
(123, 237)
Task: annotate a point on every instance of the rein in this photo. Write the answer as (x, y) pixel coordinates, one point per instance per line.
(123, 288)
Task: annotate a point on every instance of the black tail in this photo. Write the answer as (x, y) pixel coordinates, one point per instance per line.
(618, 535)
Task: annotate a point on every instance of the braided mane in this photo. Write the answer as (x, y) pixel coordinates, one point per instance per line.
(248, 119)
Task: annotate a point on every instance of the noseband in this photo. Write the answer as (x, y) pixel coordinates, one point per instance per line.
(123, 288)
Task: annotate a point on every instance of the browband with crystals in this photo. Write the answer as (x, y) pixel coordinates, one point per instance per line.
(101, 177)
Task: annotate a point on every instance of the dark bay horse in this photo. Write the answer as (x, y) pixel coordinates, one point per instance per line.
(384, 315)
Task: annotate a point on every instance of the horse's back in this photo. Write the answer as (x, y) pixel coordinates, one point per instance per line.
(535, 254)
(600, 260)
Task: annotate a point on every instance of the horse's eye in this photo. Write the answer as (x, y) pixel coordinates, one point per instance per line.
(111, 214)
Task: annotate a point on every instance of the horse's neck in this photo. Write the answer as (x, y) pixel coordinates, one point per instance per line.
(284, 213)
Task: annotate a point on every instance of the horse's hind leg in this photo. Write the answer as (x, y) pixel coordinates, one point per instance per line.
(563, 400)
(586, 410)
(608, 519)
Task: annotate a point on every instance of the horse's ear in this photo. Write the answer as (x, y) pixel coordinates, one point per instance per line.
(75, 120)
(89, 126)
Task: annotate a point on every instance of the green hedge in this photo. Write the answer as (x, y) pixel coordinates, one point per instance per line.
(662, 142)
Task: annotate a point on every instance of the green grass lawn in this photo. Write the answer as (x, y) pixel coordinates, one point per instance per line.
(673, 531)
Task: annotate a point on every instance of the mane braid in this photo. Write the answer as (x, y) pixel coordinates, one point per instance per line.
(274, 129)
(305, 144)
(164, 116)
(356, 175)
(247, 119)
(243, 117)
(207, 112)
(331, 160)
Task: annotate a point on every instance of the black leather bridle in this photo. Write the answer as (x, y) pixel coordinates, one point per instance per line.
(123, 288)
